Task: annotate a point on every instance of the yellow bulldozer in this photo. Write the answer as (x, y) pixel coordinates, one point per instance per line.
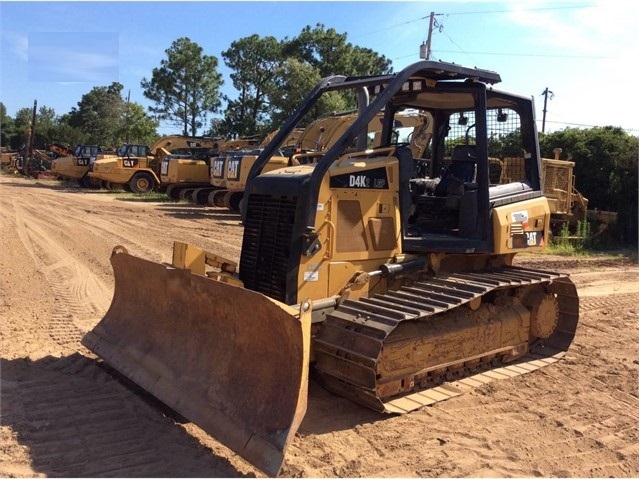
(231, 167)
(393, 281)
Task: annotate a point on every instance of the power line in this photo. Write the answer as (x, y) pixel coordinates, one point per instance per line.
(389, 27)
(573, 7)
(585, 57)
(455, 43)
(521, 10)
(588, 126)
(537, 55)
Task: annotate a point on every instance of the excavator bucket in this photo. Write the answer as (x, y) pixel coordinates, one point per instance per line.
(232, 361)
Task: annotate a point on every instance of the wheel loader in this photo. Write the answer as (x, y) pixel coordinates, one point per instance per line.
(76, 164)
(389, 276)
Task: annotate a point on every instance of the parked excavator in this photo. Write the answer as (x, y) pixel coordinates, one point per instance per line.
(137, 167)
(75, 164)
(392, 279)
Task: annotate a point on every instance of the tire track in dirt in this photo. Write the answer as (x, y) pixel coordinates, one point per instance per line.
(140, 226)
(82, 296)
(137, 239)
(89, 221)
(624, 301)
(77, 421)
(65, 415)
(544, 438)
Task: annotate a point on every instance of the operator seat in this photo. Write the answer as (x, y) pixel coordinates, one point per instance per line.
(461, 173)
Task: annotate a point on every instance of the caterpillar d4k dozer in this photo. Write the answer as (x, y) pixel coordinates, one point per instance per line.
(392, 279)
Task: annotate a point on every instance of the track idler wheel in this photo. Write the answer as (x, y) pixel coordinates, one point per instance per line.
(232, 200)
(200, 196)
(216, 198)
(173, 192)
(544, 314)
(185, 194)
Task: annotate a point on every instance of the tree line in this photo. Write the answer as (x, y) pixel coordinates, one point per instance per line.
(270, 77)
(606, 171)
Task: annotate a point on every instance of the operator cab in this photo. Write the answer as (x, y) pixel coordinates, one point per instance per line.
(482, 153)
(479, 152)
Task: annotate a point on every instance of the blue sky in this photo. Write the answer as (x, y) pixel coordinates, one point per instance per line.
(585, 52)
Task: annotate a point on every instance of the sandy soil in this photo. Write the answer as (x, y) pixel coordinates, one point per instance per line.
(62, 414)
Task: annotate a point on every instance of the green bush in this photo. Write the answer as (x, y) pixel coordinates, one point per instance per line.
(568, 242)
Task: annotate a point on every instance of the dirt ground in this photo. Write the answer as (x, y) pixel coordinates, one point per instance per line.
(62, 414)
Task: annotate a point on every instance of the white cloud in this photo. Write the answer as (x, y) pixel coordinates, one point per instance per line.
(601, 30)
(16, 43)
(73, 56)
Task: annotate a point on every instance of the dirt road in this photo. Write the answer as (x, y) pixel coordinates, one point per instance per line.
(65, 415)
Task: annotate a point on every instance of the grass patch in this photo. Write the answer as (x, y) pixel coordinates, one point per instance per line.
(582, 242)
(575, 243)
(152, 197)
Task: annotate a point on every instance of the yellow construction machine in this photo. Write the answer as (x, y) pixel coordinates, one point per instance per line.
(186, 176)
(75, 164)
(231, 167)
(9, 160)
(566, 204)
(137, 167)
(306, 146)
(393, 281)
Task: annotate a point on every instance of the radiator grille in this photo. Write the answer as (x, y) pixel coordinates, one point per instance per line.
(266, 247)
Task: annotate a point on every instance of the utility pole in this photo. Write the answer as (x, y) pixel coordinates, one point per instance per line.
(28, 161)
(426, 48)
(430, 35)
(545, 93)
(126, 117)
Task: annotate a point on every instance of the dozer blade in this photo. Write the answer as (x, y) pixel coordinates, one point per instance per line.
(232, 361)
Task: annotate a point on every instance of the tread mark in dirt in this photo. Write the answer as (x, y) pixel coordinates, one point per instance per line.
(77, 421)
(591, 303)
(80, 293)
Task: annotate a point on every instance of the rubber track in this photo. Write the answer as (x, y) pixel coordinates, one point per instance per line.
(353, 335)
